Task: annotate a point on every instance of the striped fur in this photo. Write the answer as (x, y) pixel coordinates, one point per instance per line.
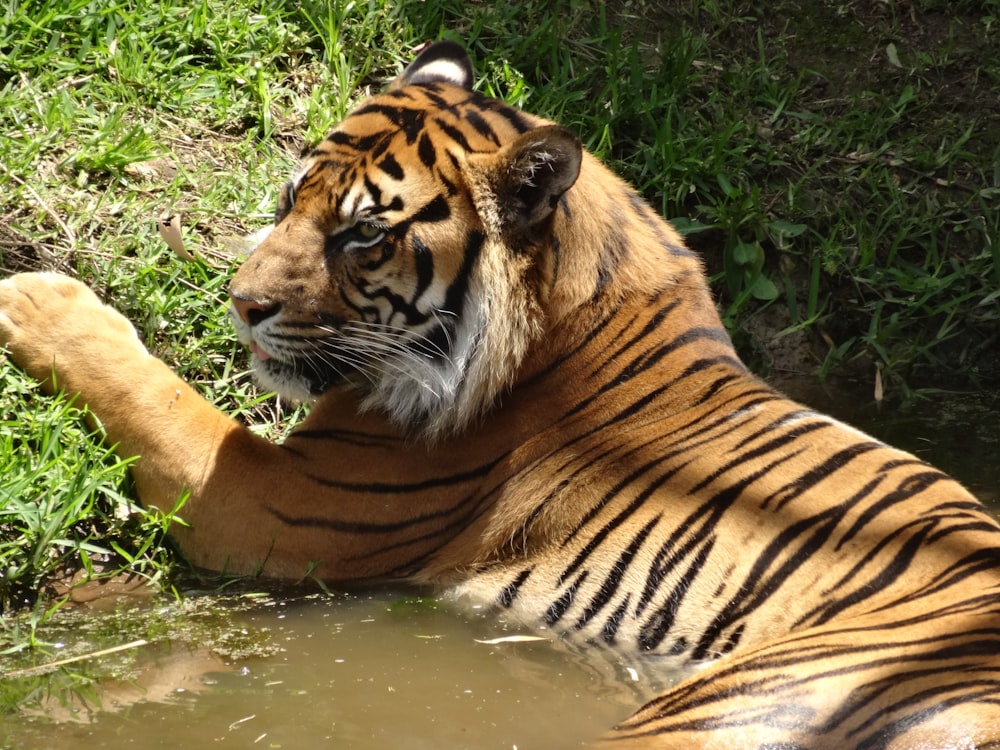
(670, 504)
(524, 395)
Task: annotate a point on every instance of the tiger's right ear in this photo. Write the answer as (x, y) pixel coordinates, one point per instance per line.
(519, 186)
(440, 62)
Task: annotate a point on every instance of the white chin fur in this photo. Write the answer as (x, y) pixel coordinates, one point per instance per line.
(434, 395)
(291, 389)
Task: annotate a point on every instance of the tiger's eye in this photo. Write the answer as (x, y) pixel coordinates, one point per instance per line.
(368, 231)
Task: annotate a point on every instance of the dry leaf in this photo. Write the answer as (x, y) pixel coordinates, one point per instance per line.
(170, 231)
(511, 639)
(242, 247)
(161, 170)
(893, 55)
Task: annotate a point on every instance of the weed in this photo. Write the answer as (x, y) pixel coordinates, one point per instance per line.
(64, 506)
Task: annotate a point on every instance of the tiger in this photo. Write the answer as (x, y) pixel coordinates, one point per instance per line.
(522, 395)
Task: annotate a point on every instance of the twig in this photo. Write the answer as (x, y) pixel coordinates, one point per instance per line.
(42, 668)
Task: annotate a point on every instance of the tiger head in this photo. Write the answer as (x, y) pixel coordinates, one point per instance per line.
(413, 255)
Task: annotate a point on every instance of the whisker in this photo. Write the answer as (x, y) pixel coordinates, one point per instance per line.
(347, 352)
(446, 328)
(383, 355)
(406, 336)
(393, 340)
(333, 361)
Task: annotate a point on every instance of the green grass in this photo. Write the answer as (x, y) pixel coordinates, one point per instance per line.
(837, 163)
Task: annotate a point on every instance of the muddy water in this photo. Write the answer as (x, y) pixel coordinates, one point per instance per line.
(356, 671)
(376, 671)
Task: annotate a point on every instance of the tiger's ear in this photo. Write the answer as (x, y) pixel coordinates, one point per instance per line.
(440, 62)
(530, 175)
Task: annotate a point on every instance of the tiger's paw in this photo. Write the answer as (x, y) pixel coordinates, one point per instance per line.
(54, 325)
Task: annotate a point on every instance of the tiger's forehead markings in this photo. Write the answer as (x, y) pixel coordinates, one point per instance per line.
(410, 121)
(351, 164)
(412, 112)
(354, 203)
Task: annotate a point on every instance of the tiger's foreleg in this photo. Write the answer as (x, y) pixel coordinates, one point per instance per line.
(59, 332)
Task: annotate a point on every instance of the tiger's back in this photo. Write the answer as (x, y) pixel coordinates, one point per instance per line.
(524, 395)
(851, 588)
(638, 488)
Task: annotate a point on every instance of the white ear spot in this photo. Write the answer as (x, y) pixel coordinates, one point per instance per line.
(445, 71)
(441, 62)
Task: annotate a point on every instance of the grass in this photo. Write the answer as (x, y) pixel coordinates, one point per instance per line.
(837, 163)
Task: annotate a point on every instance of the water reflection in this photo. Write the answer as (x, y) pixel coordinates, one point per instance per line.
(360, 672)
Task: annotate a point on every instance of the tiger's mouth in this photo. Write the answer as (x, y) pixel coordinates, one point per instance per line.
(295, 376)
(258, 351)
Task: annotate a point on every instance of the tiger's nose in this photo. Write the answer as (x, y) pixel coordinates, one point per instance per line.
(252, 311)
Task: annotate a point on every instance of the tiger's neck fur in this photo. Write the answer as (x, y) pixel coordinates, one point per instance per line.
(522, 297)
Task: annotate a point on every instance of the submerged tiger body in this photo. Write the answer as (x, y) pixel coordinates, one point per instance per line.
(524, 396)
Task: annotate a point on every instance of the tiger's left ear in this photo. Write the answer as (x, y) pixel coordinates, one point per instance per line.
(440, 62)
(529, 176)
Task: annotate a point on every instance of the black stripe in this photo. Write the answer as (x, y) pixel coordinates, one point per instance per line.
(434, 211)
(391, 167)
(889, 574)
(705, 435)
(423, 261)
(455, 297)
(402, 488)
(454, 133)
(426, 151)
(373, 190)
(558, 608)
(410, 121)
(350, 437)
(820, 529)
(774, 445)
(481, 126)
(648, 359)
(509, 592)
(817, 474)
(973, 563)
(889, 730)
(515, 117)
(654, 322)
(594, 330)
(667, 389)
(610, 585)
(656, 628)
(911, 485)
(465, 512)
(400, 306)
(639, 501)
(360, 527)
(610, 629)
